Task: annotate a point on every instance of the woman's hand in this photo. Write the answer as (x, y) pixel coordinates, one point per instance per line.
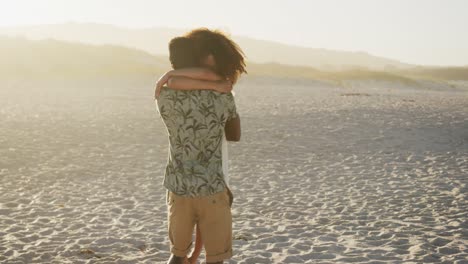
(161, 82)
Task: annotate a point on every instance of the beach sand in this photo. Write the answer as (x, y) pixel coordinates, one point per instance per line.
(373, 173)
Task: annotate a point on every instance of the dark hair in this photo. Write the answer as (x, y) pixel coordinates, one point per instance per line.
(227, 54)
(182, 53)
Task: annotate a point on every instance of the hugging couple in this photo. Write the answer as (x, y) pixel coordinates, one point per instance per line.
(197, 107)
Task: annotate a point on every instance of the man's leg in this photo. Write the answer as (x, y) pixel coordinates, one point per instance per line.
(175, 260)
(215, 221)
(181, 219)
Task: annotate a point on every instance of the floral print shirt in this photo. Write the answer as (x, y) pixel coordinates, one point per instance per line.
(195, 122)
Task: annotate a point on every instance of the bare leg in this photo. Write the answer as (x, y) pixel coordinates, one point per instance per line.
(198, 247)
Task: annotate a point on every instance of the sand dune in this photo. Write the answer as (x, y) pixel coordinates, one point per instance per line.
(52, 59)
(323, 174)
(154, 40)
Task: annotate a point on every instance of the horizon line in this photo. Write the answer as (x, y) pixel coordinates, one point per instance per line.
(293, 45)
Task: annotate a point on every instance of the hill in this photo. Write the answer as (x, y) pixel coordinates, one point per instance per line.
(23, 58)
(154, 41)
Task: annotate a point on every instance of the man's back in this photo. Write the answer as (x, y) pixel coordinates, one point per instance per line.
(195, 122)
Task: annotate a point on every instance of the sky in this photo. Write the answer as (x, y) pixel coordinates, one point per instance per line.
(424, 32)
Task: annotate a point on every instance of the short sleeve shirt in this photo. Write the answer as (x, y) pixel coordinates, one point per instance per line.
(195, 122)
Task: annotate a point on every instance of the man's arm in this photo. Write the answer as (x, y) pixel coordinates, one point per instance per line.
(193, 73)
(233, 129)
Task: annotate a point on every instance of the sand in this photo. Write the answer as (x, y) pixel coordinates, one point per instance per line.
(368, 173)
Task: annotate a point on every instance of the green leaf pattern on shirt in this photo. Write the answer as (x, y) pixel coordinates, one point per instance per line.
(195, 122)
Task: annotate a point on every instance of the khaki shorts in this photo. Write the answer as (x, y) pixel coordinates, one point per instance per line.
(212, 214)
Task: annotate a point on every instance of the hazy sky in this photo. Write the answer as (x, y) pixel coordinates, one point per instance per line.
(431, 32)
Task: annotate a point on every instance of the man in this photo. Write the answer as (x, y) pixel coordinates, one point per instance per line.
(187, 75)
(195, 121)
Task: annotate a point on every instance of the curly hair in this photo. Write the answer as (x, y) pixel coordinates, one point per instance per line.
(227, 54)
